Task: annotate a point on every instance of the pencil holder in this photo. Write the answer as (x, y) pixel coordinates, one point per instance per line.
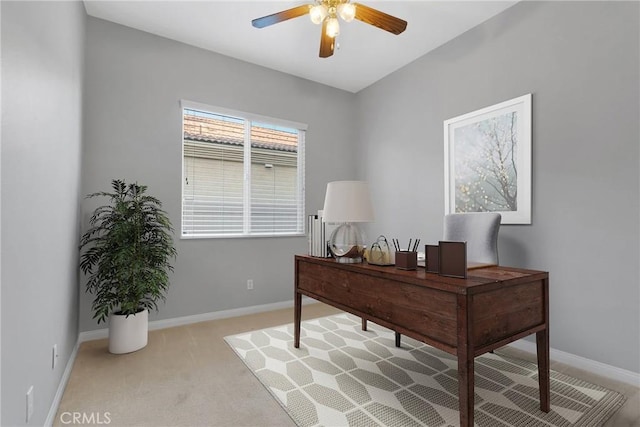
(406, 260)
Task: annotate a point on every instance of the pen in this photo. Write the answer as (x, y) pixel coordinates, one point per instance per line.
(409, 246)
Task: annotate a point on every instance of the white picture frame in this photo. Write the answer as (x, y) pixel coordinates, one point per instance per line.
(487, 161)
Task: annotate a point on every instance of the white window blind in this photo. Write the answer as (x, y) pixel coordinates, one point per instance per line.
(242, 175)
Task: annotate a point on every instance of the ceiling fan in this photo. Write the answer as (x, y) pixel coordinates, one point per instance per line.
(326, 12)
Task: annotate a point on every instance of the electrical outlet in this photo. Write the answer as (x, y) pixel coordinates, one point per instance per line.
(250, 284)
(29, 403)
(54, 356)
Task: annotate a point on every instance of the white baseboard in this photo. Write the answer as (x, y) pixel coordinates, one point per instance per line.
(62, 386)
(583, 363)
(187, 320)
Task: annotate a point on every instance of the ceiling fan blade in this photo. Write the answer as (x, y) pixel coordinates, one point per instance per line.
(295, 12)
(379, 19)
(326, 43)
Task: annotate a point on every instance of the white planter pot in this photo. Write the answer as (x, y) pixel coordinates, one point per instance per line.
(127, 334)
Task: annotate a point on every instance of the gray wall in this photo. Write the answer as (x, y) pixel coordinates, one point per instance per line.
(580, 61)
(42, 72)
(133, 131)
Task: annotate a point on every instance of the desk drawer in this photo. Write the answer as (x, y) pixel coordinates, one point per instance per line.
(428, 312)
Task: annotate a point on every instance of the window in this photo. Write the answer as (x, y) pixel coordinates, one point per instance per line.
(243, 175)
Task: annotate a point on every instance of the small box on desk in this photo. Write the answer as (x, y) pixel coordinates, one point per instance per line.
(431, 262)
(406, 260)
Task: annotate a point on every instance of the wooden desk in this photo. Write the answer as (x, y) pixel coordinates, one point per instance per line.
(465, 317)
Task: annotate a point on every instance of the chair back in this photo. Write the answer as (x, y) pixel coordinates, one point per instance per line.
(479, 230)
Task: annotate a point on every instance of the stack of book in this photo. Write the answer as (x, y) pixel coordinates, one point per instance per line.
(318, 236)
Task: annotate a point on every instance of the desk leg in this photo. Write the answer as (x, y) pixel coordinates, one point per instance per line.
(297, 314)
(542, 344)
(466, 390)
(466, 385)
(364, 324)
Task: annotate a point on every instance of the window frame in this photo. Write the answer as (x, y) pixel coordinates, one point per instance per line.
(246, 161)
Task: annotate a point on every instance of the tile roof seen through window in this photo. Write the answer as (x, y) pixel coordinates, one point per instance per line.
(208, 129)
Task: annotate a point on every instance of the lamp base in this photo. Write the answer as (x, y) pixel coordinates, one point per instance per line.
(346, 244)
(347, 260)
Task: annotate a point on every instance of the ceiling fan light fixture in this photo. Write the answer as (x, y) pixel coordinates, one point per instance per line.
(347, 11)
(326, 12)
(333, 27)
(317, 13)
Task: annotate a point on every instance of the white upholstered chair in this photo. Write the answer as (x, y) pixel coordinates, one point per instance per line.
(479, 230)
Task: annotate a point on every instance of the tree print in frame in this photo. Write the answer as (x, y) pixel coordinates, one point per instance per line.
(487, 161)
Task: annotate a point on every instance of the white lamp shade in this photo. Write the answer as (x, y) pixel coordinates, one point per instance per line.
(317, 13)
(347, 11)
(333, 27)
(347, 201)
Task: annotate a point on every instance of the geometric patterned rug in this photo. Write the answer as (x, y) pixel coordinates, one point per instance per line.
(343, 376)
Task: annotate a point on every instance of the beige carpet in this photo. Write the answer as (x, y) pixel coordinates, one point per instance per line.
(188, 376)
(343, 376)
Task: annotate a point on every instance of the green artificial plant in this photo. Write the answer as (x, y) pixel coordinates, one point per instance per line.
(127, 252)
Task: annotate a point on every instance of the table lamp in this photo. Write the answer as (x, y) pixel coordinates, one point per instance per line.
(347, 203)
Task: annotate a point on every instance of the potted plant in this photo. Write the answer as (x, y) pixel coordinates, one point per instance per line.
(127, 253)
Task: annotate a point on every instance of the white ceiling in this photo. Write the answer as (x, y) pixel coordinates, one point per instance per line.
(365, 54)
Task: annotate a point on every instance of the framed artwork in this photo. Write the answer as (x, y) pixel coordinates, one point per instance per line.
(487, 161)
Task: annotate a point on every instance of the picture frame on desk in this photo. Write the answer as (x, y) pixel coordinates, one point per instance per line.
(452, 259)
(487, 161)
